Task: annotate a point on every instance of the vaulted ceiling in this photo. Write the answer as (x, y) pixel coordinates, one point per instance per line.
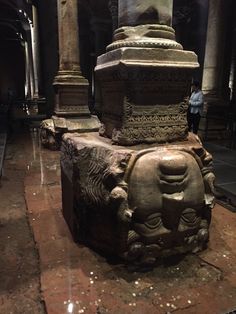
(15, 16)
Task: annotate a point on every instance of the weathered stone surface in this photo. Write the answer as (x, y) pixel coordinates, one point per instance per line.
(51, 130)
(142, 94)
(70, 86)
(71, 95)
(144, 77)
(137, 12)
(140, 202)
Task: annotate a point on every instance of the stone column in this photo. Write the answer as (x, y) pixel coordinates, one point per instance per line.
(35, 51)
(138, 12)
(71, 87)
(71, 107)
(215, 46)
(29, 79)
(215, 83)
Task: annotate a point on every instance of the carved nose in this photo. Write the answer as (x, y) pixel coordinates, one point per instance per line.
(172, 207)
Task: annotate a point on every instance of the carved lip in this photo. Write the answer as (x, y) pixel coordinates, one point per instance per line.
(172, 178)
(179, 196)
(173, 187)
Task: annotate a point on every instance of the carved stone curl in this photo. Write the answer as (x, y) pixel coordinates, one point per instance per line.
(140, 203)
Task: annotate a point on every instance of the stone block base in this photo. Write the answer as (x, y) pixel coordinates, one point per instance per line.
(141, 202)
(71, 94)
(213, 124)
(143, 91)
(51, 130)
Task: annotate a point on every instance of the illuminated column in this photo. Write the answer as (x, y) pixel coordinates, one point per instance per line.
(216, 72)
(28, 73)
(71, 87)
(215, 65)
(35, 51)
(71, 106)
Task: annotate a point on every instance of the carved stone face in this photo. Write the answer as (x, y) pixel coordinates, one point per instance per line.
(166, 193)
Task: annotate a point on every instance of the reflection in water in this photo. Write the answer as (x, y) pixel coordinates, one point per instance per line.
(36, 145)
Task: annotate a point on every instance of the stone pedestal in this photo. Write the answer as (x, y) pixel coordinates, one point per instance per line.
(144, 77)
(71, 95)
(141, 202)
(146, 87)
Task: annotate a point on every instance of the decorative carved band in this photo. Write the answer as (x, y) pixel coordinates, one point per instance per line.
(151, 134)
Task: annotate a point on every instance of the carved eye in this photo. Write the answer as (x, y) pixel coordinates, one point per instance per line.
(154, 221)
(190, 217)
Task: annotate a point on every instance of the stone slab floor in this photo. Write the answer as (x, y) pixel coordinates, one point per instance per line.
(45, 267)
(19, 261)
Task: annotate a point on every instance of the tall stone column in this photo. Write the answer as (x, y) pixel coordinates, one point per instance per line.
(71, 87)
(216, 72)
(29, 73)
(27, 76)
(215, 49)
(71, 104)
(35, 51)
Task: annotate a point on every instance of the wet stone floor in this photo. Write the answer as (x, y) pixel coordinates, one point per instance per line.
(66, 277)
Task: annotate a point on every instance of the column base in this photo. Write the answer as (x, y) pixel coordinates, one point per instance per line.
(214, 120)
(71, 94)
(52, 130)
(140, 203)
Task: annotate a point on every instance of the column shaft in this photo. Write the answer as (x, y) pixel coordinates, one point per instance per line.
(71, 87)
(216, 73)
(68, 35)
(35, 51)
(215, 55)
(137, 12)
